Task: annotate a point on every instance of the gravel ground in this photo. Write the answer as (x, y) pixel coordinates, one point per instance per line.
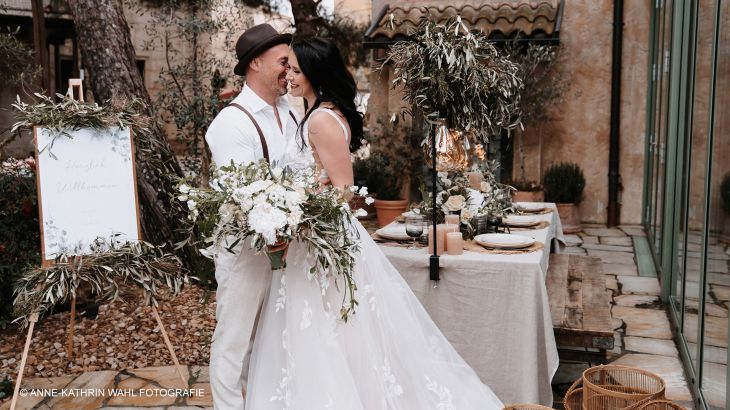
(123, 335)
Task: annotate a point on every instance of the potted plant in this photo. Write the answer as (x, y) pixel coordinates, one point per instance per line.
(385, 182)
(361, 169)
(564, 185)
(725, 198)
(527, 191)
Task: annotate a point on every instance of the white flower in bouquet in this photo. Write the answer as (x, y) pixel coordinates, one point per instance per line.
(273, 205)
(455, 203)
(268, 221)
(369, 200)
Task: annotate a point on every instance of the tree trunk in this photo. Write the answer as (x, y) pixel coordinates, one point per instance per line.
(306, 19)
(110, 60)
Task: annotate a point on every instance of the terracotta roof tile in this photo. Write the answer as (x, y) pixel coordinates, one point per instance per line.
(502, 19)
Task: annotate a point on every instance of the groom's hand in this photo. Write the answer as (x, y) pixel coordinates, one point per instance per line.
(279, 246)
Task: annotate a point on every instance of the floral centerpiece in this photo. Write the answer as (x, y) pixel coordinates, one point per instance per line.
(455, 195)
(270, 207)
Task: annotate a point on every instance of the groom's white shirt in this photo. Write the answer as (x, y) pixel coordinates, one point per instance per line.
(244, 278)
(232, 135)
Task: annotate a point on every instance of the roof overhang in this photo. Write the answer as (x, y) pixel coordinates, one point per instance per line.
(535, 21)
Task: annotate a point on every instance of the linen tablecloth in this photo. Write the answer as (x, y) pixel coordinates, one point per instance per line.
(494, 309)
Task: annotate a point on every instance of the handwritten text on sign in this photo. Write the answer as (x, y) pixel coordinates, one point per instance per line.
(87, 188)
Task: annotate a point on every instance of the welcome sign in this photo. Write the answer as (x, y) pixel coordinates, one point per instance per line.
(86, 189)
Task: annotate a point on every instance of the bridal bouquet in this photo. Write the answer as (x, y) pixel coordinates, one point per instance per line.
(271, 206)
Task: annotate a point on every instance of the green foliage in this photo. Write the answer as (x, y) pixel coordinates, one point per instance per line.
(725, 192)
(564, 183)
(19, 233)
(449, 72)
(107, 266)
(193, 76)
(382, 174)
(542, 88)
(17, 60)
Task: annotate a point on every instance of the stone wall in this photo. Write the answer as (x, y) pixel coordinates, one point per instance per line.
(580, 129)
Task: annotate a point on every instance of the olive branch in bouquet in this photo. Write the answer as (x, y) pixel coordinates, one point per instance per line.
(319, 217)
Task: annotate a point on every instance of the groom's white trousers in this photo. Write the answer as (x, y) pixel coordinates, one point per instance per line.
(243, 280)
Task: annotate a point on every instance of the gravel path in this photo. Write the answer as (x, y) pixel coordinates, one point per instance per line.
(123, 335)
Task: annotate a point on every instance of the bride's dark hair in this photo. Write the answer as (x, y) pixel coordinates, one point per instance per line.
(321, 62)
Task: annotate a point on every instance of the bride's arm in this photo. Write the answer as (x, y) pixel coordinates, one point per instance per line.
(333, 149)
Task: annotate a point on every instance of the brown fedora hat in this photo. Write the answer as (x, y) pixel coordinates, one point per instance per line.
(255, 41)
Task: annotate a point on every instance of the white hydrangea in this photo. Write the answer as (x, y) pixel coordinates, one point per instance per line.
(266, 220)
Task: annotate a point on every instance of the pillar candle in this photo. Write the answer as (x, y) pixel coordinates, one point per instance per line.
(440, 236)
(448, 228)
(454, 243)
(452, 219)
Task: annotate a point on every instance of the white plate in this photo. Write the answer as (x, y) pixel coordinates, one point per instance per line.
(520, 220)
(504, 240)
(530, 206)
(396, 232)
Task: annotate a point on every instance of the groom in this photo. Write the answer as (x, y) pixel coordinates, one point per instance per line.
(256, 125)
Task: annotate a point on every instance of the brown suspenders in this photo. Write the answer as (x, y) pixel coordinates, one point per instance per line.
(264, 146)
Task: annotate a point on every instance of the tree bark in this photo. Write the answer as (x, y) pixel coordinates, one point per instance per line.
(306, 19)
(110, 60)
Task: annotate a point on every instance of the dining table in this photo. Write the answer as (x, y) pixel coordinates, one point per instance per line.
(493, 307)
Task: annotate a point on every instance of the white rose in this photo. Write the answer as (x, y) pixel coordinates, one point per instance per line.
(486, 187)
(455, 203)
(466, 215)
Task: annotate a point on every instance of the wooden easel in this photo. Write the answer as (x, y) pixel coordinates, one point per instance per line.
(76, 91)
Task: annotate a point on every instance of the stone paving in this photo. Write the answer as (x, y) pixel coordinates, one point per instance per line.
(643, 336)
(642, 329)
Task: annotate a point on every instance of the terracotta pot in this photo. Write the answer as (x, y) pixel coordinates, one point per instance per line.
(569, 218)
(389, 210)
(359, 203)
(528, 196)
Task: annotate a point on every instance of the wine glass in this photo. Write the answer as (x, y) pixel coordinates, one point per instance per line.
(414, 228)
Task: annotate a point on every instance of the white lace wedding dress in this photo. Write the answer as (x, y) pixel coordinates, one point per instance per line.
(389, 356)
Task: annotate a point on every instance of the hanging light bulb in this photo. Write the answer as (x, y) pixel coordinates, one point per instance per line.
(452, 148)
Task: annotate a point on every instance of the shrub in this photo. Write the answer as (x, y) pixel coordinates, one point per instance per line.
(381, 174)
(564, 183)
(19, 232)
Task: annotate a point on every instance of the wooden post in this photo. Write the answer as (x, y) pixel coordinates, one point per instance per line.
(76, 89)
(71, 325)
(169, 347)
(33, 319)
(39, 41)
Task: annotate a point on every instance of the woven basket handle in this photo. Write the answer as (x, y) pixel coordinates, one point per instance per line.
(573, 387)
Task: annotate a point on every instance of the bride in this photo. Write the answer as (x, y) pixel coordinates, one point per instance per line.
(390, 354)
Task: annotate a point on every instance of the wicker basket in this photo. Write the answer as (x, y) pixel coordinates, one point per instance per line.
(573, 399)
(619, 387)
(526, 406)
(659, 405)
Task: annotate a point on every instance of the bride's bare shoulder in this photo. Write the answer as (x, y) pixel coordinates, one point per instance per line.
(323, 127)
